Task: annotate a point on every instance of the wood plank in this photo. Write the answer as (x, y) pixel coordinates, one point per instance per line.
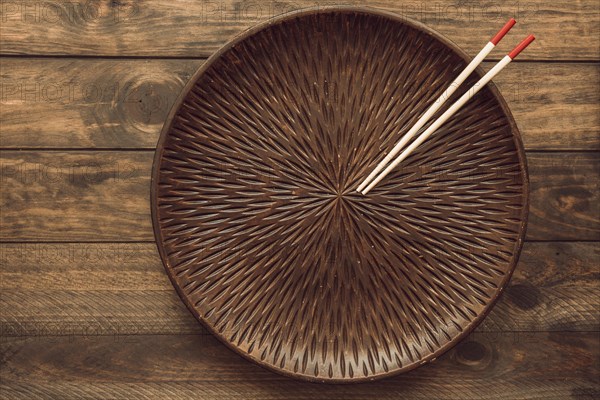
(567, 187)
(90, 266)
(554, 288)
(58, 103)
(117, 289)
(104, 196)
(73, 103)
(188, 28)
(89, 196)
(484, 366)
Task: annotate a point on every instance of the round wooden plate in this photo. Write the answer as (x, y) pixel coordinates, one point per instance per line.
(262, 232)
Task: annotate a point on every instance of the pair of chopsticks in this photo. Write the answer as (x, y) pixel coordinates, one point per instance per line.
(373, 179)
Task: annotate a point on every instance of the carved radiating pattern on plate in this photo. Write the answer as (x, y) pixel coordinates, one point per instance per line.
(263, 233)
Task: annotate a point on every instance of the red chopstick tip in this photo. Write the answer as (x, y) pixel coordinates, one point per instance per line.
(502, 32)
(521, 46)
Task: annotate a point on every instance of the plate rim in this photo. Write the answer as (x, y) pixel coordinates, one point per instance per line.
(279, 19)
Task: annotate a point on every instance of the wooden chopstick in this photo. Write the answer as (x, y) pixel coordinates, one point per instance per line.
(440, 101)
(453, 109)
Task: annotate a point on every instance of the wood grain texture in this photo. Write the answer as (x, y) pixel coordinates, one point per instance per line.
(570, 189)
(565, 30)
(104, 196)
(112, 289)
(88, 103)
(484, 366)
(84, 103)
(87, 196)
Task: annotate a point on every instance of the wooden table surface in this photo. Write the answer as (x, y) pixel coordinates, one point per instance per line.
(86, 309)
